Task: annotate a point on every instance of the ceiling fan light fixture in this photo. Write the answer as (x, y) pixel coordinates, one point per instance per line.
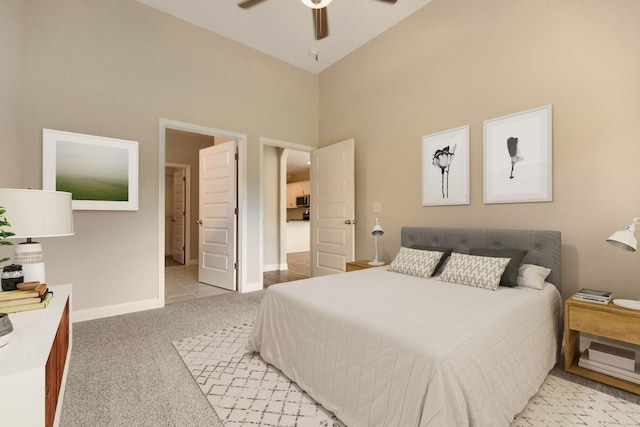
(316, 4)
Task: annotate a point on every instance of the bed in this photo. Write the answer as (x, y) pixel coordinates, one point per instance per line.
(380, 348)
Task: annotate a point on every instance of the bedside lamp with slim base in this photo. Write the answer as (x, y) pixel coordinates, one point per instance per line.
(376, 231)
(626, 240)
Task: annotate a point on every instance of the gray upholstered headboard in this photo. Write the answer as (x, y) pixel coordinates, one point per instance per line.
(543, 246)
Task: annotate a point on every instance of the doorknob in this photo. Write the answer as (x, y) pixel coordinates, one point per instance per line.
(348, 221)
(199, 221)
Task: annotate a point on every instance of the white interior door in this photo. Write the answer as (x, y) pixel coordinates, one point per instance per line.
(217, 215)
(178, 233)
(332, 208)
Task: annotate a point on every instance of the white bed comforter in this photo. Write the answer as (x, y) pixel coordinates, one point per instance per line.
(385, 349)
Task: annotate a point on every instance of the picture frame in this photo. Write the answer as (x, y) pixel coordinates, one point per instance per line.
(445, 167)
(101, 173)
(518, 157)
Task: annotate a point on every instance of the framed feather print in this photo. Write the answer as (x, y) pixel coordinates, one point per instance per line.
(518, 157)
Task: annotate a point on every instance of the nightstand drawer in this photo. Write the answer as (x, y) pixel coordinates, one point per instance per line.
(605, 324)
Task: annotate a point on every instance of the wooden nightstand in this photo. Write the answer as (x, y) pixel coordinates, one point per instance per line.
(359, 265)
(608, 321)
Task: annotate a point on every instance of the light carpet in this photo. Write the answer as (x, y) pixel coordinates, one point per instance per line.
(244, 390)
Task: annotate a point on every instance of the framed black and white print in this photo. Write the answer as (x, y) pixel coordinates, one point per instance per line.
(445, 168)
(100, 173)
(518, 157)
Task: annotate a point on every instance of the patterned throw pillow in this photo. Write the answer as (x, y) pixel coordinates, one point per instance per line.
(510, 275)
(479, 271)
(415, 262)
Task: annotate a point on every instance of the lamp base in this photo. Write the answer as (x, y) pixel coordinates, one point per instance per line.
(627, 303)
(31, 257)
(376, 263)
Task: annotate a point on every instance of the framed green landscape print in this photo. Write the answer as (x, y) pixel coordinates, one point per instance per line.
(101, 173)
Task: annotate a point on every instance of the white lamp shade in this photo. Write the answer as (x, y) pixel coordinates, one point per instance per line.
(623, 240)
(37, 213)
(316, 5)
(377, 229)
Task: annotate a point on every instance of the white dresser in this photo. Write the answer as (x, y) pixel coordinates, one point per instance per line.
(34, 364)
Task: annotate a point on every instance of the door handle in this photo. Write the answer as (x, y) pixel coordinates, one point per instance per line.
(199, 221)
(349, 221)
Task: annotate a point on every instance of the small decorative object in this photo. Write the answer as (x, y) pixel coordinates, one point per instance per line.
(101, 173)
(376, 231)
(445, 168)
(11, 277)
(6, 328)
(517, 157)
(626, 240)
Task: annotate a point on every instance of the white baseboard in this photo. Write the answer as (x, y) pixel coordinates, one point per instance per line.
(275, 267)
(114, 310)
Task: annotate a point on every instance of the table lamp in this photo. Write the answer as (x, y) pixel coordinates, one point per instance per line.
(626, 240)
(376, 231)
(33, 214)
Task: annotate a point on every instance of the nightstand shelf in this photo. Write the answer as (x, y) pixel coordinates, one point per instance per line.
(360, 265)
(608, 321)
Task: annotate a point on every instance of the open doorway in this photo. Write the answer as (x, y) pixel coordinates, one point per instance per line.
(285, 211)
(180, 144)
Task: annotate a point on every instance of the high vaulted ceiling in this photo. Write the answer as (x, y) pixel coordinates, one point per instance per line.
(284, 28)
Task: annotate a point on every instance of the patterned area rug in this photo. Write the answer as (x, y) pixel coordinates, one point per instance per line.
(242, 388)
(245, 391)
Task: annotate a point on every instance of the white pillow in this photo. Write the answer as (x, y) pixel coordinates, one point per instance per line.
(532, 276)
(474, 270)
(415, 262)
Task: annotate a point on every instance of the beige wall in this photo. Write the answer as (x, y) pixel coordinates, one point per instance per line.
(114, 68)
(11, 87)
(458, 62)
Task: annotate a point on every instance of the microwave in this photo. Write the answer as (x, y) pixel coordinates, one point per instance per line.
(302, 201)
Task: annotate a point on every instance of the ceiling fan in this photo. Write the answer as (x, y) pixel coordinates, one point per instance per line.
(319, 9)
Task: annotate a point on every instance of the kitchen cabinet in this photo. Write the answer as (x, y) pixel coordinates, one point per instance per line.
(295, 189)
(298, 236)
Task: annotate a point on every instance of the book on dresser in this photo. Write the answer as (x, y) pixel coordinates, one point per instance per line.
(37, 305)
(593, 295)
(23, 300)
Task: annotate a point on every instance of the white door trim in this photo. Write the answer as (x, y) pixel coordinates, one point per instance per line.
(283, 212)
(165, 124)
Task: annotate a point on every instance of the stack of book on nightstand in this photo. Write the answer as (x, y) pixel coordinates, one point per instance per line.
(25, 300)
(593, 295)
(610, 360)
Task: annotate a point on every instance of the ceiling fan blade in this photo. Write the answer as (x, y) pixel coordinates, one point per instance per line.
(320, 24)
(248, 3)
(389, 1)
